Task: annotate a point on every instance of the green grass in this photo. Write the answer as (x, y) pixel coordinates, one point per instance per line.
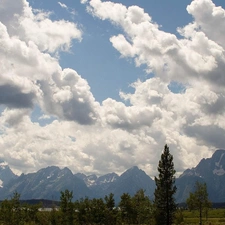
(215, 217)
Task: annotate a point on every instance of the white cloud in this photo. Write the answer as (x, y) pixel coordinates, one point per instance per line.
(63, 5)
(30, 76)
(68, 9)
(111, 136)
(196, 56)
(83, 1)
(36, 26)
(197, 61)
(44, 117)
(211, 20)
(117, 115)
(71, 98)
(122, 45)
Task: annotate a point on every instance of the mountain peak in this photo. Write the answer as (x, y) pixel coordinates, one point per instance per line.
(67, 170)
(6, 173)
(133, 169)
(209, 170)
(218, 155)
(219, 151)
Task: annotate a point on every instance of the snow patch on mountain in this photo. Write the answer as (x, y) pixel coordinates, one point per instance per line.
(219, 172)
(60, 176)
(90, 180)
(219, 168)
(218, 163)
(93, 180)
(108, 178)
(1, 182)
(108, 181)
(51, 175)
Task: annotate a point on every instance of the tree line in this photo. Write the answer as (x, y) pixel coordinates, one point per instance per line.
(130, 210)
(137, 209)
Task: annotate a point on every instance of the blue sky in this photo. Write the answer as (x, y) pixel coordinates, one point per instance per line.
(95, 59)
(101, 86)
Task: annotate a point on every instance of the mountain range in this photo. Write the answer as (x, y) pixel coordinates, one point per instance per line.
(48, 182)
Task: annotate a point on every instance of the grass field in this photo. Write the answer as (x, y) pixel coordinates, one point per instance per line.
(215, 217)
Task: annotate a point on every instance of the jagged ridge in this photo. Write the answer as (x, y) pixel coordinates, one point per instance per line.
(48, 182)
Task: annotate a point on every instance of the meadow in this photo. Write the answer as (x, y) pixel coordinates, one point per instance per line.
(214, 217)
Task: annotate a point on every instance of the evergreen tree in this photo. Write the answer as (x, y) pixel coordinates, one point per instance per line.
(110, 211)
(10, 210)
(143, 207)
(164, 202)
(15, 201)
(54, 216)
(83, 208)
(67, 207)
(109, 201)
(6, 212)
(127, 210)
(98, 211)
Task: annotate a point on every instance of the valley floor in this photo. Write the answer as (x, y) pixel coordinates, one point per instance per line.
(214, 217)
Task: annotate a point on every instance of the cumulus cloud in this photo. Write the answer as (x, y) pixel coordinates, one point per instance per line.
(196, 61)
(13, 117)
(117, 115)
(71, 98)
(210, 20)
(91, 137)
(29, 75)
(203, 134)
(195, 57)
(36, 26)
(16, 92)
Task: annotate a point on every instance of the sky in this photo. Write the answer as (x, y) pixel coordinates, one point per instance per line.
(101, 86)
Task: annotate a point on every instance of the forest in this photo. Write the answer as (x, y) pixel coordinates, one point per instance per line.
(130, 210)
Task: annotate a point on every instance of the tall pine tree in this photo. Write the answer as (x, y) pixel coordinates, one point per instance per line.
(164, 202)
